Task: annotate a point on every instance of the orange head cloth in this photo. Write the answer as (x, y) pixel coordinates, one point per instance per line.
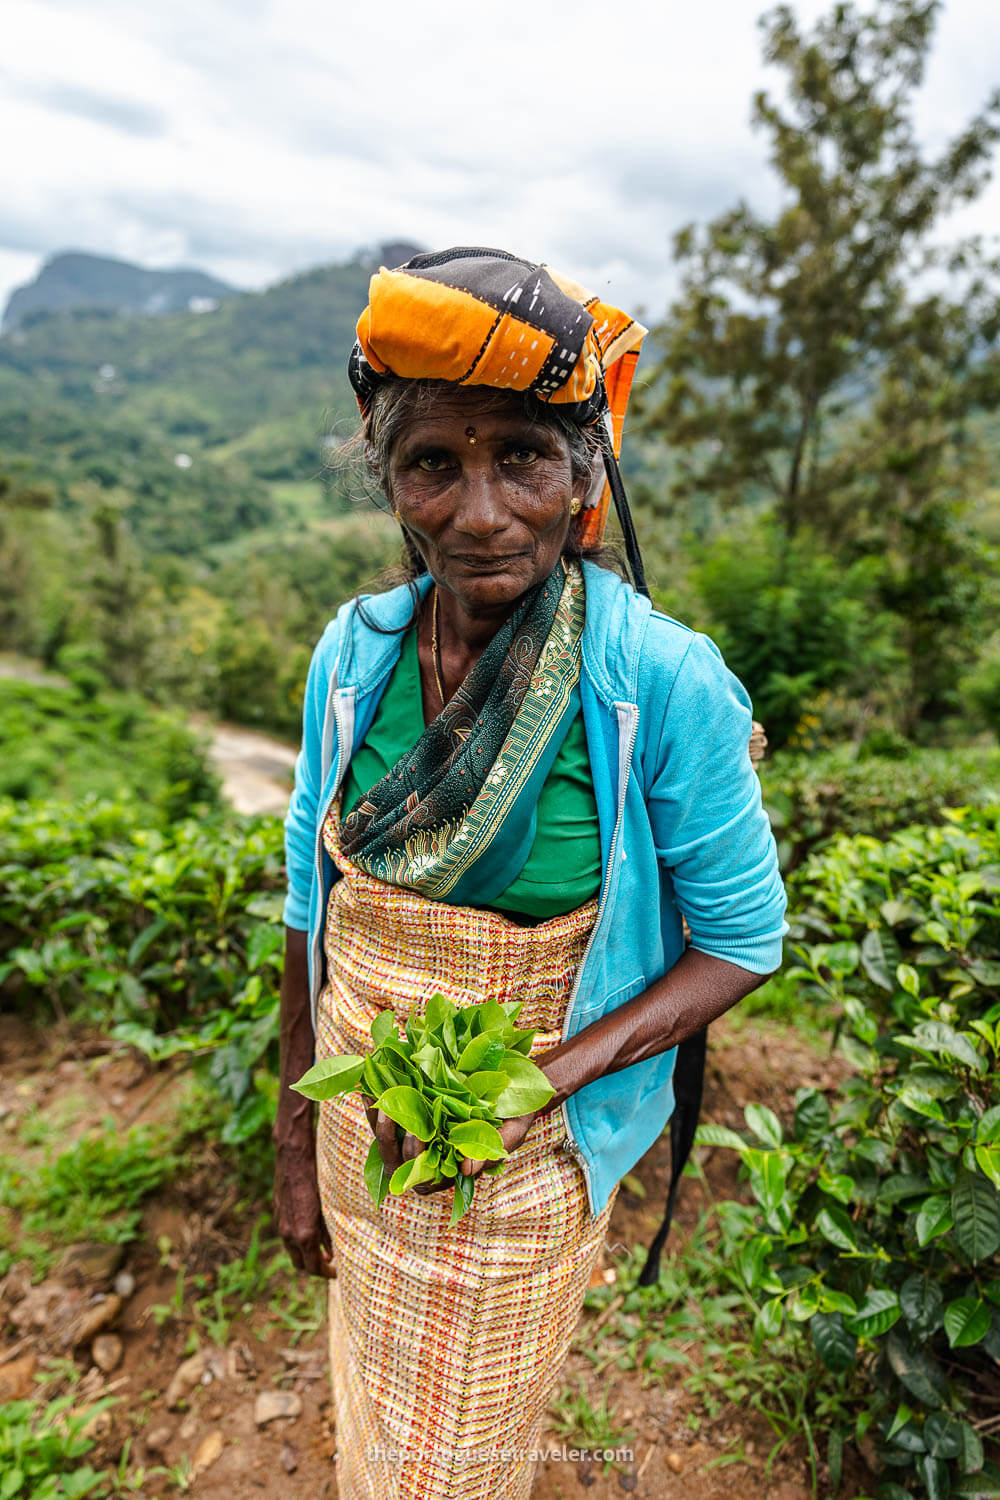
(483, 317)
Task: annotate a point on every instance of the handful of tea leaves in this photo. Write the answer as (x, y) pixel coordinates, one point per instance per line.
(449, 1080)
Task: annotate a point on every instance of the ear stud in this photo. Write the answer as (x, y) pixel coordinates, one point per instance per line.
(575, 505)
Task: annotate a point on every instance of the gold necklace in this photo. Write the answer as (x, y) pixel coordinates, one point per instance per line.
(435, 649)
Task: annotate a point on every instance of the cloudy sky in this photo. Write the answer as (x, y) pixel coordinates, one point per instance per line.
(255, 138)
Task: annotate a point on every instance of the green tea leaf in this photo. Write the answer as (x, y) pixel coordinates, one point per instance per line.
(936, 1036)
(489, 1017)
(917, 1371)
(934, 1473)
(768, 1319)
(812, 1116)
(837, 1227)
(900, 1186)
(465, 1188)
(330, 1077)
(482, 1053)
(437, 1010)
(934, 1217)
(966, 1321)
(487, 1086)
(988, 1129)
(376, 1079)
(841, 958)
(719, 1135)
(477, 1140)
(383, 1026)
(410, 1173)
(764, 1123)
(839, 1186)
(970, 1458)
(833, 1301)
(880, 957)
(877, 1312)
(920, 1101)
(528, 1088)
(409, 1109)
(449, 1039)
(375, 1175)
(988, 1161)
(923, 1305)
(975, 1204)
(751, 1257)
(907, 978)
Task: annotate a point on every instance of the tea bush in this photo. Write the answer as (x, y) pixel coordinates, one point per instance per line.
(811, 798)
(59, 742)
(880, 1217)
(167, 934)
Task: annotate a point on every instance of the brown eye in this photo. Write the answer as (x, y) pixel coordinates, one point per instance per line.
(521, 455)
(432, 463)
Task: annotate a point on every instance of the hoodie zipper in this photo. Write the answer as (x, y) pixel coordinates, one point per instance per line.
(344, 727)
(624, 767)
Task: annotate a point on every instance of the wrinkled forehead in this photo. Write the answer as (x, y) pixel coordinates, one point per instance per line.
(409, 407)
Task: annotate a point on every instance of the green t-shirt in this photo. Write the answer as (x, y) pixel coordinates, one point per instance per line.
(563, 869)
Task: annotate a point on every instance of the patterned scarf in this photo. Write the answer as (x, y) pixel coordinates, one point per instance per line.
(455, 818)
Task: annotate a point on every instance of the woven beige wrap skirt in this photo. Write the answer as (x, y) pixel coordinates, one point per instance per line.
(446, 1342)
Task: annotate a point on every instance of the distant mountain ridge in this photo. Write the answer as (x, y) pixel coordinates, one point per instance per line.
(191, 418)
(75, 279)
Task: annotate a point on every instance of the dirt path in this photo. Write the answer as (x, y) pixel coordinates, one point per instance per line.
(256, 770)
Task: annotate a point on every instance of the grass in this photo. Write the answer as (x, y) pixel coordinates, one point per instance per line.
(263, 1277)
(93, 1192)
(582, 1424)
(40, 1450)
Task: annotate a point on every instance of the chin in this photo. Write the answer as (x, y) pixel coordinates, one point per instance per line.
(483, 590)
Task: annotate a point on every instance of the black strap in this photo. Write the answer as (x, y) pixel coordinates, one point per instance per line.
(624, 514)
(689, 1069)
(689, 1082)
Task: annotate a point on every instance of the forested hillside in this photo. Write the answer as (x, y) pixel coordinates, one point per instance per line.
(169, 515)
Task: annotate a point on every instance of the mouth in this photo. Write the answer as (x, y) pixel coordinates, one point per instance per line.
(487, 562)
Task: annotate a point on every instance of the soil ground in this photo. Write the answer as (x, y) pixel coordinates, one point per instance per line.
(54, 1086)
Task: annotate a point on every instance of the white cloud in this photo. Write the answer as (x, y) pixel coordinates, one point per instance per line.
(255, 139)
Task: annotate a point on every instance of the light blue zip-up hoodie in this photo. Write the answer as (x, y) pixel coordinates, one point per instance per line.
(681, 822)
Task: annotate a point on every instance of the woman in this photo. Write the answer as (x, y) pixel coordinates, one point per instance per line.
(516, 779)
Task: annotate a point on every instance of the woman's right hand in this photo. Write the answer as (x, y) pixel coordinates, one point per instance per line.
(298, 1212)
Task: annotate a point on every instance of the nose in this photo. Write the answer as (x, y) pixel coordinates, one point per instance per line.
(482, 509)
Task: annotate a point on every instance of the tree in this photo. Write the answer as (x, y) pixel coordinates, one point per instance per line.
(825, 364)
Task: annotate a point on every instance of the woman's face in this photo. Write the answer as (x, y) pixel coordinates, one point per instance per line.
(485, 494)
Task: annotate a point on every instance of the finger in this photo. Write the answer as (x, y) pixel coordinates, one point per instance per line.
(295, 1256)
(326, 1265)
(471, 1167)
(385, 1134)
(411, 1146)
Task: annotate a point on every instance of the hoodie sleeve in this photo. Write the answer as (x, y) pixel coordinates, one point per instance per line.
(300, 819)
(710, 829)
